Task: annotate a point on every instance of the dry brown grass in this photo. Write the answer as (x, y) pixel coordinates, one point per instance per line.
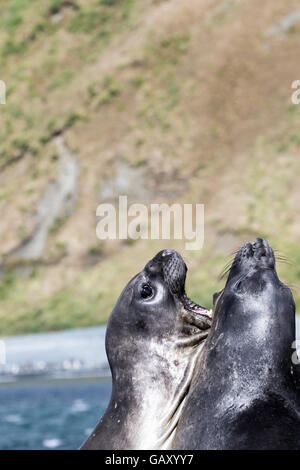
(198, 94)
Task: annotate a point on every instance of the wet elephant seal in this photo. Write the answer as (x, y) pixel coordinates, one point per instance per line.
(153, 337)
(244, 392)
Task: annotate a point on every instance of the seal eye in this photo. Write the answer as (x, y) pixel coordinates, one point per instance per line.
(146, 291)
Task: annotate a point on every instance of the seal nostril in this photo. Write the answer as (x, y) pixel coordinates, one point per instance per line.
(259, 248)
(250, 251)
(167, 253)
(260, 252)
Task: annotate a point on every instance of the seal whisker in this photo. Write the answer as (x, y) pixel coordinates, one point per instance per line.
(235, 252)
(225, 271)
(284, 261)
(226, 268)
(279, 256)
(290, 286)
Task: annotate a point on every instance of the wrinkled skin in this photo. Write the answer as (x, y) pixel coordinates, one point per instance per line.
(152, 343)
(245, 391)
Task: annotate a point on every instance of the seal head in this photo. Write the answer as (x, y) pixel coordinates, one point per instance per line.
(244, 392)
(154, 335)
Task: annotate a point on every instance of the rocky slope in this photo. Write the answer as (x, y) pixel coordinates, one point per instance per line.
(165, 101)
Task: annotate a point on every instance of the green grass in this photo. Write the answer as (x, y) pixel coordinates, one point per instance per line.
(88, 20)
(88, 300)
(61, 80)
(110, 89)
(166, 52)
(95, 17)
(55, 6)
(11, 47)
(138, 81)
(77, 304)
(72, 118)
(156, 102)
(14, 14)
(54, 314)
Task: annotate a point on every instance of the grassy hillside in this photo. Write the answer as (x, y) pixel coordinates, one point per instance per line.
(163, 100)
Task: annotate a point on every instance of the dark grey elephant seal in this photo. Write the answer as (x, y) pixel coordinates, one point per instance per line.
(245, 392)
(153, 338)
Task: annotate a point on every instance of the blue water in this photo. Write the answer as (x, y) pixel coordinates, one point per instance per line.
(57, 415)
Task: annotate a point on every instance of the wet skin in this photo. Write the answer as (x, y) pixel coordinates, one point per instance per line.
(154, 335)
(245, 389)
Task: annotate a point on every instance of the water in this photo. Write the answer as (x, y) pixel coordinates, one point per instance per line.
(73, 353)
(44, 401)
(57, 415)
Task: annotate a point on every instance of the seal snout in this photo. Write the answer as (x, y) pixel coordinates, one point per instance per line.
(257, 254)
(171, 266)
(173, 269)
(260, 252)
(165, 255)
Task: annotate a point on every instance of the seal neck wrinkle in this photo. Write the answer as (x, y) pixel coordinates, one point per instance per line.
(149, 411)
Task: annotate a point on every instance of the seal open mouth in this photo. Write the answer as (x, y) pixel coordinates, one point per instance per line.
(174, 271)
(193, 307)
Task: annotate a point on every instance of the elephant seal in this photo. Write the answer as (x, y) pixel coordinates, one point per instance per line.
(244, 391)
(153, 337)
